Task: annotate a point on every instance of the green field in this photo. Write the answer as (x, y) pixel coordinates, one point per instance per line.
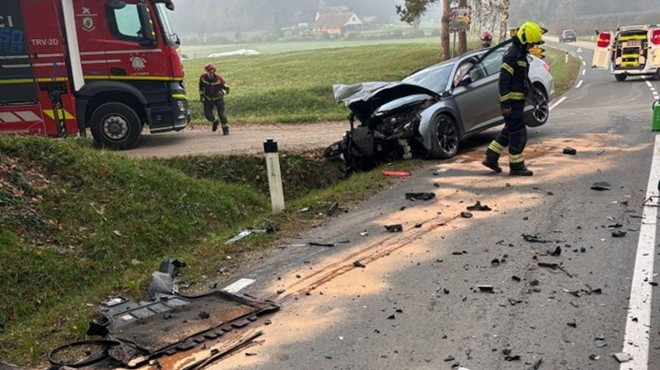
(296, 86)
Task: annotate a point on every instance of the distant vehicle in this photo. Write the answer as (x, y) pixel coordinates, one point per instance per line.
(634, 51)
(429, 112)
(568, 36)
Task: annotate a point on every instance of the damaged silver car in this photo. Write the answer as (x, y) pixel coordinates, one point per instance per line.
(428, 113)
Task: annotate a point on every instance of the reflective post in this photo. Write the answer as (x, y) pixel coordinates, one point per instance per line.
(274, 176)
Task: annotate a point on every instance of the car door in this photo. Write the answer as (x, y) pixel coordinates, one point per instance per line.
(479, 101)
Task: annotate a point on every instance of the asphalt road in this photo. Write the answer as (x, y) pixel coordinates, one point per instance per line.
(416, 303)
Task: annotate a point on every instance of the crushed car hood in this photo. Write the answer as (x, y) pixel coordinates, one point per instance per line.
(364, 98)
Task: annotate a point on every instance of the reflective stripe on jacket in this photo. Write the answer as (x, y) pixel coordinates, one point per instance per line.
(514, 74)
(212, 88)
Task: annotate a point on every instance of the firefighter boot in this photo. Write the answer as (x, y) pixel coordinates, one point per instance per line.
(491, 159)
(225, 130)
(215, 125)
(524, 171)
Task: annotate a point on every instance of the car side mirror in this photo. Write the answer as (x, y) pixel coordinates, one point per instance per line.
(116, 4)
(465, 81)
(147, 31)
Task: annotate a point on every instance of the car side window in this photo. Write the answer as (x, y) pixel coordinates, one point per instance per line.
(492, 63)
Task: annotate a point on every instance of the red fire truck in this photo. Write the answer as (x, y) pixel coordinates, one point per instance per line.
(108, 65)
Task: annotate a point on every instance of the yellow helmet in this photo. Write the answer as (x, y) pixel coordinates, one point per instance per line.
(530, 33)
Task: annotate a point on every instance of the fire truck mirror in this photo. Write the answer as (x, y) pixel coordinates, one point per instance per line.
(168, 4)
(116, 4)
(148, 34)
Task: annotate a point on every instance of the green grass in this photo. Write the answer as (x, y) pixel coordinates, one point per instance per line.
(563, 73)
(296, 86)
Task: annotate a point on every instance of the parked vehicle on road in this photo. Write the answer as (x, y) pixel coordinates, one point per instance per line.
(108, 65)
(428, 113)
(567, 36)
(633, 51)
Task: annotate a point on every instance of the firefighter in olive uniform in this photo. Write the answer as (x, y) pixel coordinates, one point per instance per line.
(212, 90)
(514, 85)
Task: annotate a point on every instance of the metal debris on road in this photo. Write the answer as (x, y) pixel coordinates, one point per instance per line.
(618, 234)
(359, 264)
(601, 185)
(396, 228)
(622, 357)
(537, 364)
(570, 151)
(420, 196)
(495, 262)
(315, 244)
(554, 266)
(478, 207)
(556, 252)
(485, 288)
(466, 214)
(536, 239)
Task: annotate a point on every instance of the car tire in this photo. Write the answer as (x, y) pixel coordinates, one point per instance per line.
(621, 76)
(116, 126)
(444, 137)
(540, 111)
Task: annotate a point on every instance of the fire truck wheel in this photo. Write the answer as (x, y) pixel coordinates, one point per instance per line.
(116, 126)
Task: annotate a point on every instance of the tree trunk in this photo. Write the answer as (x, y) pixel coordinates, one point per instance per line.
(462, 35)
(504, 24)
(444, 30)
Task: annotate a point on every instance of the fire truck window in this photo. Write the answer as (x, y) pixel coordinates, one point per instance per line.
(125, 23)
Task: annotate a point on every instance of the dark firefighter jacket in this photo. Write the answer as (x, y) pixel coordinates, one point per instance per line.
(213, 88)
(514, 81)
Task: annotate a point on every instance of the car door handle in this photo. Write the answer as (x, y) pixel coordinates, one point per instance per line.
(117, 71)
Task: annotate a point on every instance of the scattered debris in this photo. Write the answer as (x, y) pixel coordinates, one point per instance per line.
(554, 266)
(359, 264)
(420, 196)
(556, 252)
(485, 288)
(618, 234)
(600, 343)
(622, 357)
(466, 214)
(514, 302)
(601, 186)
(570, 151)
(537, 364)
(396, 173)
(535, 239)
(478, 207)
(396, 228)
(243, 234)
(316, 244)
(418, 225)
(594, 357)
(495, 262)
(364, 233)
(572, 324)
(332, 209)
(516, 278)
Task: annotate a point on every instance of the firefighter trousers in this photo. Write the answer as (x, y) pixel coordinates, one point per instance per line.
(219, 106)
(513, 135)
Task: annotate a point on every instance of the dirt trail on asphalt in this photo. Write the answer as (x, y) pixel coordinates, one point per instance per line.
(242, 139)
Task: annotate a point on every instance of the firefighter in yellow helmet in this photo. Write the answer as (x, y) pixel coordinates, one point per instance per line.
(514, 85)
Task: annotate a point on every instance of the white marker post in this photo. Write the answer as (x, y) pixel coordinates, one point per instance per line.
(566, 58)
(274, 176)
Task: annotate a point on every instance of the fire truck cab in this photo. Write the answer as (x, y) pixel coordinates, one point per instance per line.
(110, 66)
(633, 51)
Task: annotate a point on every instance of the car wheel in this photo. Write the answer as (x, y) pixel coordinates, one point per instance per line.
(445, 137)
(116, 126)
(621, 77)
(540, 112)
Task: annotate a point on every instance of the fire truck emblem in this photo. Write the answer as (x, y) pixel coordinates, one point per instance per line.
(88, 24)
(138, 63)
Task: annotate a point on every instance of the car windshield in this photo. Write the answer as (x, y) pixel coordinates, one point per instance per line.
(433, 78)
(569, 33)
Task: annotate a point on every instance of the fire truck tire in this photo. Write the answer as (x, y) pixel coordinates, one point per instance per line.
(116, 126)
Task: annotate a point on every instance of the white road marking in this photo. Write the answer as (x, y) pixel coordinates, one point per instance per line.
(579, 84)
(584, 71)
(649, 84)
(236, 286)
(638, 323)
(583, 63)
(557, 103)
